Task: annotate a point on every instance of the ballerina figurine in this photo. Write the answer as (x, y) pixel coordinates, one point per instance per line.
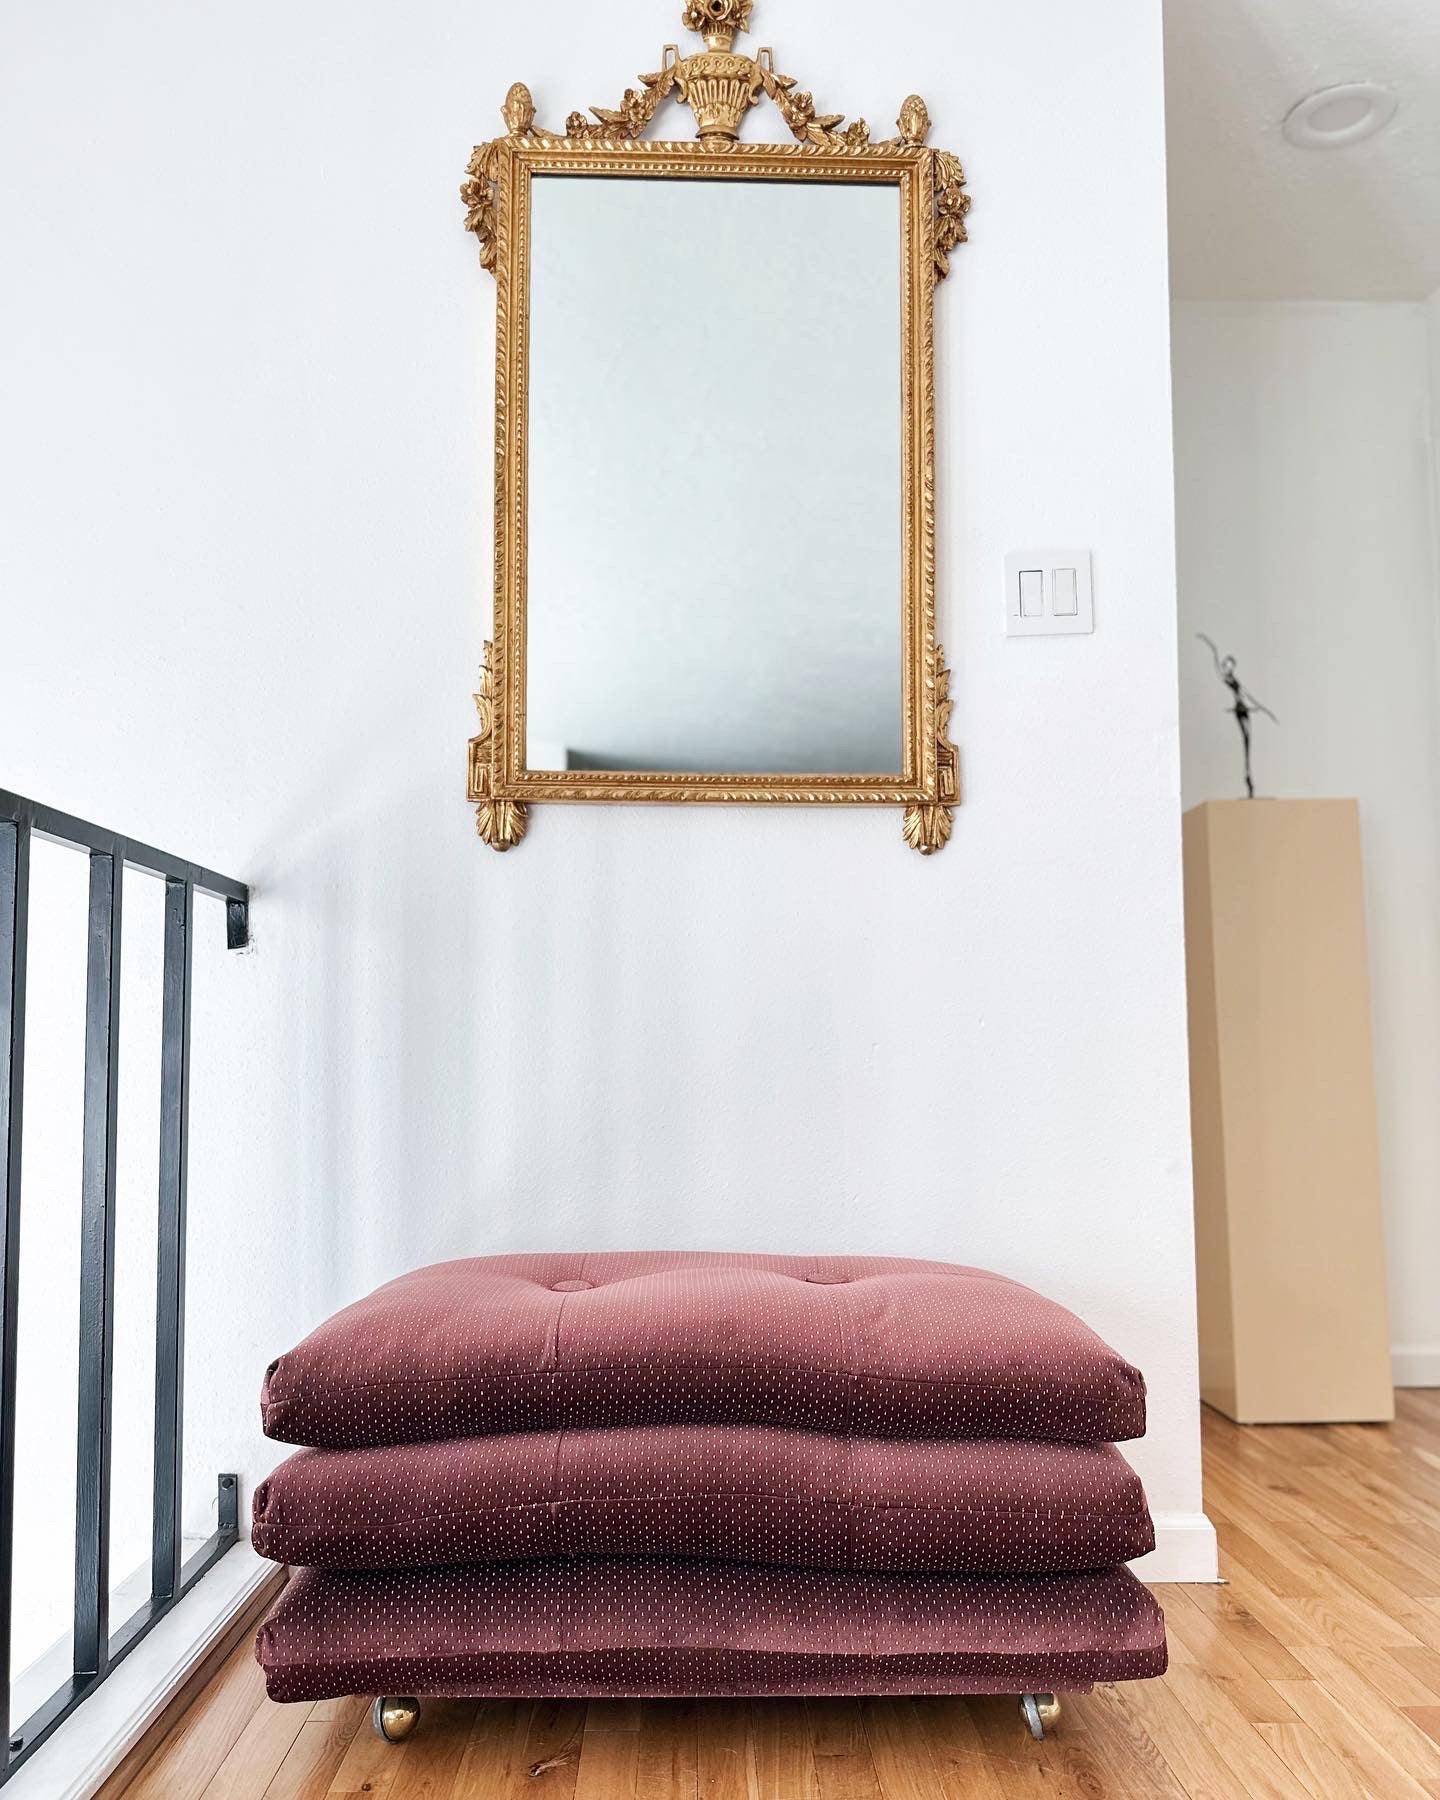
(1245, 707)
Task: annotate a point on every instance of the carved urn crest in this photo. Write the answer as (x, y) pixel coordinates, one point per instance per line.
(718, 86)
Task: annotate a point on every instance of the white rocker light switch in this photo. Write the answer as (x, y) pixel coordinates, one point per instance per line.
(1049, 593)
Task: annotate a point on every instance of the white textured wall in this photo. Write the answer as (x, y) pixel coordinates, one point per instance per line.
(246, 449)
(1432, 333)
(1432, 322)
(1305, 479)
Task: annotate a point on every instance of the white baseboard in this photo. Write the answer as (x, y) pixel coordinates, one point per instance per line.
(1415, 1366)
(1185, 1550)
(96, 1738)
(31, 1687)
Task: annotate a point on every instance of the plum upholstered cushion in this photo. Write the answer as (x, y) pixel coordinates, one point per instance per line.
(875, 1346)
(654, 1627)
(745, 1493)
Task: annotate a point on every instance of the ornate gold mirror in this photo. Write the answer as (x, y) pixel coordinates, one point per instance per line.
(715, 453)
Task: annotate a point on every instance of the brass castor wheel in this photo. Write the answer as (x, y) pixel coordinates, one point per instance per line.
(394, 1717)
(1041, 1713)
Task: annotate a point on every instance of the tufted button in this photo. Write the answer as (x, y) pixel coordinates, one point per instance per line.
(570, 1287)
(828, 1280)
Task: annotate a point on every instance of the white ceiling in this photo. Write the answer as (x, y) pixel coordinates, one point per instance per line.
(1254, 218)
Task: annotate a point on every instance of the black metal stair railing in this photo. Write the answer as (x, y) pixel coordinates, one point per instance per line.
(98, 1647)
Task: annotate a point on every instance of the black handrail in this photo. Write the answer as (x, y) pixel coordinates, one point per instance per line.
(96, 1648)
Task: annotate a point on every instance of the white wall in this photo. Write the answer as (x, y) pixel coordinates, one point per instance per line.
(1432, 335)
(245, 575)
(1305, 474)
(1432, 324)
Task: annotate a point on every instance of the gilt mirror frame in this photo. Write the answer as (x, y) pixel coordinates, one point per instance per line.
(719, 85)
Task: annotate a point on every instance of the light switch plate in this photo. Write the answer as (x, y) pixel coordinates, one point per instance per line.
(1049, 593)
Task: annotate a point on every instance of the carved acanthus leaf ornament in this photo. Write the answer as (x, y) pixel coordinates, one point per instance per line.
(500, 823)
(720, 86)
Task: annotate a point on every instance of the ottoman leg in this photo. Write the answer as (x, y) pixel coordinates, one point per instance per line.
(394, 1717)
(1041, 1713)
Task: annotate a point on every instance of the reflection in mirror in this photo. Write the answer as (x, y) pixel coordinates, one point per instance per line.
(715, 498)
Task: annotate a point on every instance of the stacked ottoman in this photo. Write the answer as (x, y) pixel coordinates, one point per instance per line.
(690, 1473)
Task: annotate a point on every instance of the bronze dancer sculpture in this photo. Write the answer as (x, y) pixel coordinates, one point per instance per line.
(1245, 707)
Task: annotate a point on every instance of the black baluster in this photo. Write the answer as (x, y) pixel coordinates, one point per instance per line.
(170, 1296)
(97, 1267)
(14, 922)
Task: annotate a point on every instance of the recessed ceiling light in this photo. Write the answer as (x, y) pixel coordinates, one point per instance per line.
(1337, 116)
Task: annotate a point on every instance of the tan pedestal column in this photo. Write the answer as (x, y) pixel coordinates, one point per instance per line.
(1289, 1239)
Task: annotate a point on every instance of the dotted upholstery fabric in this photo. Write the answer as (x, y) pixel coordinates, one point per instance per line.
(633, 1474)
(611, 1627)
(874, 1346)
(742, 1493)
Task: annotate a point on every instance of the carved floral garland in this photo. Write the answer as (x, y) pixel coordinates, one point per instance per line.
(821, 131)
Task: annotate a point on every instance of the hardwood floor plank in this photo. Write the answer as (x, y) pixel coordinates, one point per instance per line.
(1391, 1680)
(369, 1766)
(609, 1759)
(834, 1724)
(1354, 1498)
(1412, 1547)
(668, 1760)
(1231, 1734)
(318, 1751)
(843, 1766)
(550, 1761)
(722, 1735)
(964, 1770)
(1067, 1764)
(1130, 1757)
(1424, 1665)
(1082, 1774)
(1397, 1494)
(1279, 1573)
(1332, 1572)
(609, 1764)
(1193, 1759)
(493, 1760)
(1224, 1661)
(783, 1760)
(1373, 1714)
(191, 1753)
(435, 1753)
(1341, 1620)
(256, 1755)
(1269, 1500)
(1404, 1567)
(1350, 1578)
(899, 1749)
(1261, 1648)
(1312, 1762)
(1427, 1718)
(1013, 1754)
(613, 1715)
(1377, 1771)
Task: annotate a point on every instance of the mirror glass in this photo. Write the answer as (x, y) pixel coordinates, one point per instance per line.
(714, 498)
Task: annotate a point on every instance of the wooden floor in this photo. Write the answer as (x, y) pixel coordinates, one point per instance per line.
(1316, 1672)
